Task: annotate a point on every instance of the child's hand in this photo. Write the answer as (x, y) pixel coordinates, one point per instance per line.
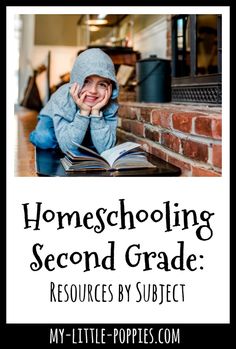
(97, 107)
(79, 99)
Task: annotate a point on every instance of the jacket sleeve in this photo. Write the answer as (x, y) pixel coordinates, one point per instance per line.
(68, 132)
(103, 131)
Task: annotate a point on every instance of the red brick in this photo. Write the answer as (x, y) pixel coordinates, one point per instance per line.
(122, 111)
(161, 118)
(146, 146)
(168, 51)
(131, 138)
(202, 172)
(170, 141)
(152, 134)
(182, 122)
(126, 96)
(179, 163)
(134, 113)
(137, 128)
(126, 125)
(146, 114)
(168, 35)
(121, 135)
(217, 128)
(124, 136)
(126, 112)
(203, 126)
(195, 150)
(159, 153)
(217, 155)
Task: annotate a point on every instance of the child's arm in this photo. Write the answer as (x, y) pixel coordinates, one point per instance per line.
(103, 131)
(69, 132)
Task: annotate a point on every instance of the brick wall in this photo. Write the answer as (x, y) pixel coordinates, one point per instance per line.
(186, 136)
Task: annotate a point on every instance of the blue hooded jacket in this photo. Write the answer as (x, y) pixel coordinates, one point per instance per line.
(69, 125)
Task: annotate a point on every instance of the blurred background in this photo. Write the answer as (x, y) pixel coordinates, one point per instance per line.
(187, 46)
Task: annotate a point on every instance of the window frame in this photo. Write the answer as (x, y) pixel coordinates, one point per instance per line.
(196, 88)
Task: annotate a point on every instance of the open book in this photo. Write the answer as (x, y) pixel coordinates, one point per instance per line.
(128, 155)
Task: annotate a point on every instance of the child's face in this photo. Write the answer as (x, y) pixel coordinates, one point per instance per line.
(95, 87)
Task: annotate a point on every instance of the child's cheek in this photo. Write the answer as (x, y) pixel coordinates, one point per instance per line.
(81, 92)
(103, 94)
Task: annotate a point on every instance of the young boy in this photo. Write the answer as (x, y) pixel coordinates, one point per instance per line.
(84, 110)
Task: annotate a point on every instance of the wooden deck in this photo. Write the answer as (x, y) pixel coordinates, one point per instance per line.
(24, 153)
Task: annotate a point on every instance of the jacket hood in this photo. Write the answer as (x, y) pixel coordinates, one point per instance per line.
(94, 61)
(90, 62)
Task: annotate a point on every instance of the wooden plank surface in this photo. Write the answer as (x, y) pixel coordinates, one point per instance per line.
(24, 153)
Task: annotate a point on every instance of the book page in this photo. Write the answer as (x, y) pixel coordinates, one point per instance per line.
(87, 150)
(112, 154)
(87, 153)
